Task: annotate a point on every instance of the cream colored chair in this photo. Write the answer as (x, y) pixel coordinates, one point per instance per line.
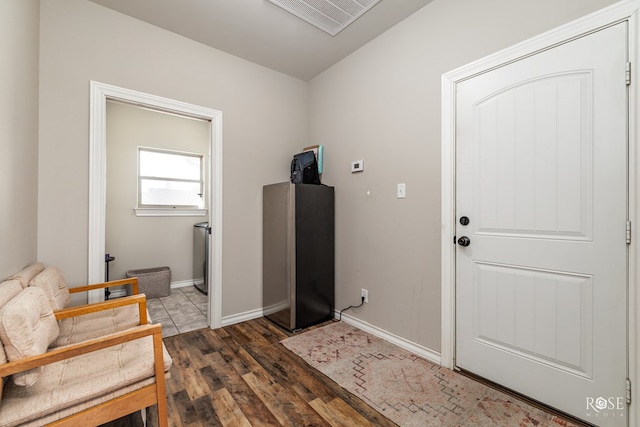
(87, 381)
(122, 315)
(86, 322)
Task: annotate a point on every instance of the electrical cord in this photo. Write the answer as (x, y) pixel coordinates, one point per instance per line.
(344, 309)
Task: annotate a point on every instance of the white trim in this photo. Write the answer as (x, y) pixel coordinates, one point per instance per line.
(624, 10)
(424, 352)
(97, 191)
(634, 216)
(99, 94)
(241, 317)
(121, 291)
(118, 293)
(169, 212)
(448, 204)
(603, 18)
(274, 308)
(181, 284)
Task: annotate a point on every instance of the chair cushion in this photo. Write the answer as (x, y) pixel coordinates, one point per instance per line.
(51, 281)
(65, 387)
(93, 325)
(8, 289)
(29, 272)
(27, 327)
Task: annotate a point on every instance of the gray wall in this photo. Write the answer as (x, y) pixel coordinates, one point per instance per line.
(264, 119)
(142, 242)
(19, 22)
(382, 104)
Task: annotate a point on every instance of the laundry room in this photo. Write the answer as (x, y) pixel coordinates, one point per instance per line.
(157, 168)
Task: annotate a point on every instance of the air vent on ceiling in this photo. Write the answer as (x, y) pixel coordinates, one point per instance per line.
(331, 16)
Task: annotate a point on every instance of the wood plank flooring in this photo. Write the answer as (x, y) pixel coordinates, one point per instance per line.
(240, 375)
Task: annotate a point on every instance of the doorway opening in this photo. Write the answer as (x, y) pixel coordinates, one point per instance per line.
(103, 94)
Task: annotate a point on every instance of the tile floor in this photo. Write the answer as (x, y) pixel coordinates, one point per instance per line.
(183, 311)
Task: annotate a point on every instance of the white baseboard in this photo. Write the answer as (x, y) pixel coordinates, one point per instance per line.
(419, 350)
(275, 308)
(121, 291)
(242, 317)
(424, 352)
(118, 292)
(181, 284)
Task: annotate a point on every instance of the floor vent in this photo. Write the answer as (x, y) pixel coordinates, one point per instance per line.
(331, 16)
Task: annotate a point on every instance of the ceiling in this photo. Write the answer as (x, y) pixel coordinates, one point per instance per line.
(264, 33)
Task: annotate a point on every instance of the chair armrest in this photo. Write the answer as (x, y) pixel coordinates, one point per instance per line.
(80, 310)
(133, 281)
(67, 352)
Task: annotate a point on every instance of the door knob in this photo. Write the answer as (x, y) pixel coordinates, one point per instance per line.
(464, 241)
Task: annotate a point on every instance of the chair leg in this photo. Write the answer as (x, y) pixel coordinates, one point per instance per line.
(161, 390)
(161, 409)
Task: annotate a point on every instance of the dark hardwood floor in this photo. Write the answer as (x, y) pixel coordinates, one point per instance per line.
(240, 375)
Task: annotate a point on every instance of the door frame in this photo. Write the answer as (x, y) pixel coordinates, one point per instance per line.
(627, 10)
(99, 94)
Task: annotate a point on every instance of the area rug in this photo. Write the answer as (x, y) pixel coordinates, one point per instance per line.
(406, 388)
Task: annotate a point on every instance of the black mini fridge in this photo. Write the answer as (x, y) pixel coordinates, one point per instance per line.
(298, 250)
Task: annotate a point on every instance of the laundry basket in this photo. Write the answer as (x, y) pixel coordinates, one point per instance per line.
(153, 282)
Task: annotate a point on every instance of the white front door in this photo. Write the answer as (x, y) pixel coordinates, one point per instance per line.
(541, 175)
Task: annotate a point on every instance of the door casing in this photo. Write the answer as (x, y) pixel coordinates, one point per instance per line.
(100, 93)
(628, 10)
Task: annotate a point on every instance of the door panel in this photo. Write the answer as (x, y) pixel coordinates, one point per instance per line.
(535, 314)
(538, 132)
(541, 291)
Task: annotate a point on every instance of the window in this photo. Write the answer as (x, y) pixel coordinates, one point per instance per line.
(170, 179)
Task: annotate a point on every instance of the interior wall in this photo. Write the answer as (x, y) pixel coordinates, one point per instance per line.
(264, 122)
(381, 104)
(19, 29)
(147, 241)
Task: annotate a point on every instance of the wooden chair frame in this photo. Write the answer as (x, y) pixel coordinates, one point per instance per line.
(99, 306)
(133, 281)
(120, 406)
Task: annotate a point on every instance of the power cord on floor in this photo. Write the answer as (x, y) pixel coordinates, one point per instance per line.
(351, 306)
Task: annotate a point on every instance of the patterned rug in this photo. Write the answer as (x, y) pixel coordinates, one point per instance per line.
(406, 388)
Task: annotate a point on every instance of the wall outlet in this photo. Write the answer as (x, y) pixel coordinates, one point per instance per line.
(364, 294)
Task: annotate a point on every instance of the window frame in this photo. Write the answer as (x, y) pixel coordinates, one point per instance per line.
(171, 209)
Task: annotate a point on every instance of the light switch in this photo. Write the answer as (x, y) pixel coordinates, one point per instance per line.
(402, 191)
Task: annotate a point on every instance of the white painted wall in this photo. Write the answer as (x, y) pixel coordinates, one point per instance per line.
(143, 241)
(382, 104)
(19, 29)
(265, 121)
